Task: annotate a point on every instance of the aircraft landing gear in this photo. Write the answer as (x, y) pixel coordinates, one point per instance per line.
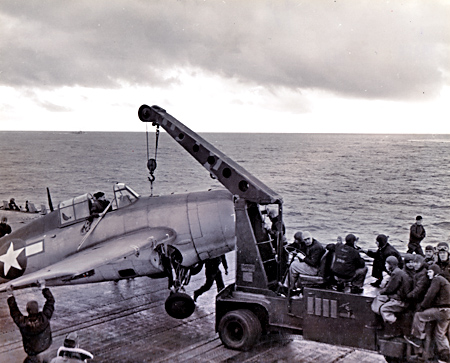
(180, 305)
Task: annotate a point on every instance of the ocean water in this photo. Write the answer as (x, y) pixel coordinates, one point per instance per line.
(331, 184)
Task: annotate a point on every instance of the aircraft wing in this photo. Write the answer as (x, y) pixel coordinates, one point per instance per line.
(92, 257)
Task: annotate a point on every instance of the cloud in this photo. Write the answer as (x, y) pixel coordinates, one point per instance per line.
(360, 49)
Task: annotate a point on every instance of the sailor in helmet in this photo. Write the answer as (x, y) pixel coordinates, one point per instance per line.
(100, 203)
(443, 260)
(70, 351)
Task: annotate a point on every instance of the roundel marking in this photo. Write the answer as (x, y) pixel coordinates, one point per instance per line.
(13, 260)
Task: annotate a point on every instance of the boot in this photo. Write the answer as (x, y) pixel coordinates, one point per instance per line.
(340, 286)
(376, 283)
(444, 356)
(356, 290)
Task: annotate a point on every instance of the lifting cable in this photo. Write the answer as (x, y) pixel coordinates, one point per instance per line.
(151, 163)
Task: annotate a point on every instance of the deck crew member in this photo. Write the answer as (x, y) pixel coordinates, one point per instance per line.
(443, 260)
(434, 307)
(35, 328)
(348, 265)
(379, 258)
(392, 298)
(408, 265)
(213, 273)
(421, 282)
(310, 263)
(273, 230)
(5, 228)
(70, 352)
(416, 235)
(12, 204)
(430, 256)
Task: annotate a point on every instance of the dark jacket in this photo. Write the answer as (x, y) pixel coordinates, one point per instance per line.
(346, 261)
(410, 272)
(35, 328)
(4, 229)
(98, 206)
(314, 253)
(445, 268)
(438, 295)
(416, 233)
(398, 286)
(379, 259)
(421, 283)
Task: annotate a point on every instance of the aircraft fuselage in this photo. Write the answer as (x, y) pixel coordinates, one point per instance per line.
(199, 225)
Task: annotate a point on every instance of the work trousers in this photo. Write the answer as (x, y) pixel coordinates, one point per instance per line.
(358, 278)
(301, 268)
(415, 247)
(442, 318)
(387, 308)
(210, 278)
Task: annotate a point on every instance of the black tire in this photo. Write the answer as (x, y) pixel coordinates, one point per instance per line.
(179, 305)
(239, 329)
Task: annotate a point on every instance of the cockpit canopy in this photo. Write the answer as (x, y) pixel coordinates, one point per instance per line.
(79, 208)
(123, 196)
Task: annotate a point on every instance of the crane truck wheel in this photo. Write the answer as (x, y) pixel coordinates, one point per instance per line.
(179, 305)
(239, 329)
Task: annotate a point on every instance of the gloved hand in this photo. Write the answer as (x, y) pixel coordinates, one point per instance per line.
(10, 291)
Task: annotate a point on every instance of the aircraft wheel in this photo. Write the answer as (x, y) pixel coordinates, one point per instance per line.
(179, 305)
(239, 329)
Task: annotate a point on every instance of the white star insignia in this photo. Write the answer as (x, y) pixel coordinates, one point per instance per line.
(10, 259)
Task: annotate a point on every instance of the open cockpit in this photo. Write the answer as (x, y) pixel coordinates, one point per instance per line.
(79, 208)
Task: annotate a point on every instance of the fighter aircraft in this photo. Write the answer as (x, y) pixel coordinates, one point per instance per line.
(136, 236)
(131, 238)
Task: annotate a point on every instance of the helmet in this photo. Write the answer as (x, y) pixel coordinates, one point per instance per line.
(350, 239)
(408, 257)
(382, 239)
(298, 236)
(392, 260)
(71, 340)
(435, 268)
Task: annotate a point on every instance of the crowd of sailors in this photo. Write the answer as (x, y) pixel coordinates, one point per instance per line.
(416, 283)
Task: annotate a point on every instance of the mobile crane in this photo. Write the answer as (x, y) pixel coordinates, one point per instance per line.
(253, 305)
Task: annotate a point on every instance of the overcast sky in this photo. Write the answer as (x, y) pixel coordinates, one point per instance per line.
(234, 66)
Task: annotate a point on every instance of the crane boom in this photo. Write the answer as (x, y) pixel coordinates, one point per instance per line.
(234, 177)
